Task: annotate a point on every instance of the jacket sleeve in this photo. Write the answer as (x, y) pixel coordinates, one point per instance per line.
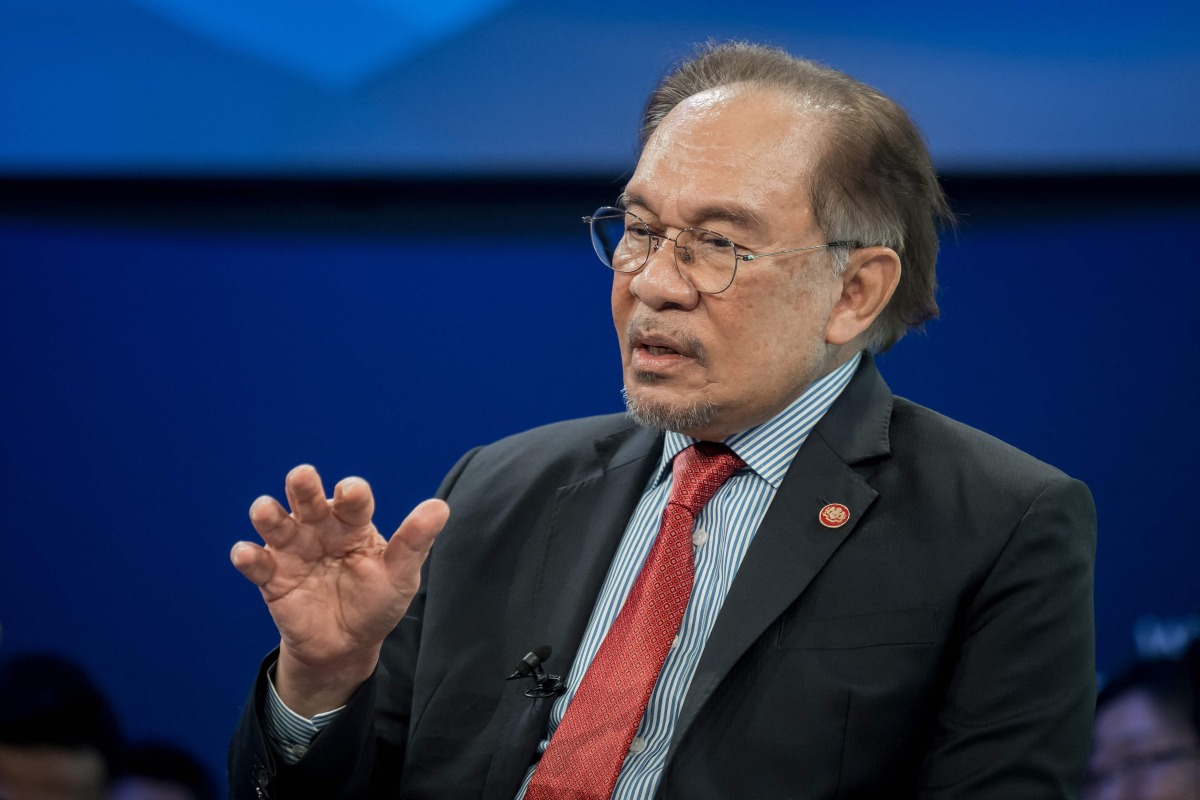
(1016, 718)
(340, 763)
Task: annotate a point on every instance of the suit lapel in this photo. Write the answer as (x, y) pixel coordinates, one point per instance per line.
(791, 545)
(568, 567)
(589, 519)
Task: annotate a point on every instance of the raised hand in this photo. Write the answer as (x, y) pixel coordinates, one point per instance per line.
(334, 586)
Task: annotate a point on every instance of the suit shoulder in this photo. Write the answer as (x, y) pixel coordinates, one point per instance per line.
(922, 432)
(566, 450)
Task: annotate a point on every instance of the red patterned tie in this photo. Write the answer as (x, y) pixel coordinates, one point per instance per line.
(589, 746)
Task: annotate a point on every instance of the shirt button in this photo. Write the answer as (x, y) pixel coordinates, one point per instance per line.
(699, 537)
(637, 745)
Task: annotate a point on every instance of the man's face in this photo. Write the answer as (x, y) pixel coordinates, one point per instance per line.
(51, 772)
(1140, 751)
(738, 162)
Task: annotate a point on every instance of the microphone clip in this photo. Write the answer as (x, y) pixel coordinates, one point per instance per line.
(545, 684)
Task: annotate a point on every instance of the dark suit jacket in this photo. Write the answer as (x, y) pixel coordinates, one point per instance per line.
(940, 644)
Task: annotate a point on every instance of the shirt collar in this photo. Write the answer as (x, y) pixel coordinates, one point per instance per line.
(769, 448)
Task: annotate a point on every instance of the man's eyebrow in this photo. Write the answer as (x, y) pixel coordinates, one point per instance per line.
(738, 216)
(626, 199)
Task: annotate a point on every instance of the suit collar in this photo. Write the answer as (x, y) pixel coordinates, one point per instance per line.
(857, 427)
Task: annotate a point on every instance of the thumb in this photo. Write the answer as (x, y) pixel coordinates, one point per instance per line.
(410, 544)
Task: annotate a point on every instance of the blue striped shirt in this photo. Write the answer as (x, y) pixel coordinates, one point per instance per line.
(722, 535)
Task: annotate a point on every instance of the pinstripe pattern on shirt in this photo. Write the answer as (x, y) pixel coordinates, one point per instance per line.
(290, 733)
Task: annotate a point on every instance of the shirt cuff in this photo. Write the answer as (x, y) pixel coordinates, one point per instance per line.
(289, 733)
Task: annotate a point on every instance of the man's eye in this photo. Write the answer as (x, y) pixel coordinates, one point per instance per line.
(637, 231)
(713, 241)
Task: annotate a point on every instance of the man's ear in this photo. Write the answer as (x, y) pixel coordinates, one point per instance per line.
(870, 280)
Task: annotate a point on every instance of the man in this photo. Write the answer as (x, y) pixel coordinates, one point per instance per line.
(871, 601)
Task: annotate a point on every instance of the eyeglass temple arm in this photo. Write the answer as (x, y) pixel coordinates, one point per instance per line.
(851, 244)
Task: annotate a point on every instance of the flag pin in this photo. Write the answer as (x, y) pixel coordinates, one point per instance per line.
(834, 515)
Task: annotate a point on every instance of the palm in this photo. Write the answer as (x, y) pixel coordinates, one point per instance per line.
(331, 591)
(334, 586)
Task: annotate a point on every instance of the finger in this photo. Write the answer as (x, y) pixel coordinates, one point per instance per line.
(255, 563)
(353, 502)
(410, 544)
(306, 495)
(271, 521)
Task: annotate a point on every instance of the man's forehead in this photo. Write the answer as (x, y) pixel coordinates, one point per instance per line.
(733, 155)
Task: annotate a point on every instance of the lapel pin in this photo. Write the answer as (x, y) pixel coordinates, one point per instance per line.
(834, 515)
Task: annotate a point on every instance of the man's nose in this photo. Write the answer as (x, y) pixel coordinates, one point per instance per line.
(661, 283)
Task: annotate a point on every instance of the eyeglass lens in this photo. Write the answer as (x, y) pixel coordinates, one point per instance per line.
(625, 243)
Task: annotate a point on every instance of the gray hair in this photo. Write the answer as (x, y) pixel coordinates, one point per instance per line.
(874, 183)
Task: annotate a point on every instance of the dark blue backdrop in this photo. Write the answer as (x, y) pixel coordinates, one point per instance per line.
(158, 377)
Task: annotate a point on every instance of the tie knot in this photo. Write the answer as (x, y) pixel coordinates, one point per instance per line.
(699, 471)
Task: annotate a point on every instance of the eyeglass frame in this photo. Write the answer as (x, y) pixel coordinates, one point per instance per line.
(657, 240)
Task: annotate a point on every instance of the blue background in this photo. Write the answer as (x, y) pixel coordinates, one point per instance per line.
(543, 86)
(168, 350)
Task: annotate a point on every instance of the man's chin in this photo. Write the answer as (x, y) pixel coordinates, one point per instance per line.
(668, 414)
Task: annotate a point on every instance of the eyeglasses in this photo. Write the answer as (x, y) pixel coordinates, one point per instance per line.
(707, 260)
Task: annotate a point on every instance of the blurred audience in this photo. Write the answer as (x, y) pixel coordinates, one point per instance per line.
(161, 771)
(58, 734)
(1146, 737)
(59, 740)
